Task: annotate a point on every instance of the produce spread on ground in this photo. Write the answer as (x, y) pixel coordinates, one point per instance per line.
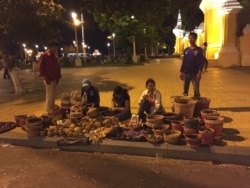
(171, 127)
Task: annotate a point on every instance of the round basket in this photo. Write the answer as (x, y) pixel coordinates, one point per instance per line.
(156, 119)
(154, 139)
(193, 140)
(161, 129)
(34, 126)
(172, 136)
(185, 107)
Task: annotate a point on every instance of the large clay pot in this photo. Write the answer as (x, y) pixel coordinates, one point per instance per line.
(208, 112)
(201, 104)
(216, 123)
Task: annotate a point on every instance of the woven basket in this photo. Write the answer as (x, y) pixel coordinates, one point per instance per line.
(155, 119)
(34, 126)
(172, 136)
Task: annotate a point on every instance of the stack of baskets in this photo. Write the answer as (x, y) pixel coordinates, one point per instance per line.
(75, 113)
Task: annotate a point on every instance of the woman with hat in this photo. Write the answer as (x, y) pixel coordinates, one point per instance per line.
(91, 93)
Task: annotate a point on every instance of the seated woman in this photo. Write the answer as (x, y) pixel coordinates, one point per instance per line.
(92, 95)
(150, 101)
(120, 108)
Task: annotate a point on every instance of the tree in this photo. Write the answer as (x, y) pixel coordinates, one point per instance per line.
(31, 21)
(115, 16)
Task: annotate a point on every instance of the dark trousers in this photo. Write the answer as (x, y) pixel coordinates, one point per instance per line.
(6, 73)
(195, 82)
(205, 64)
(145, 107)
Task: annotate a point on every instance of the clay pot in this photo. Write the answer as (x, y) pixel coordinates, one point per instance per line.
(216, 123)
(177, 125)
(207, 135)
(47, 121)
(208, 112)
(193, 140)
(20, 120)
(161, 129)
(192, 123)
(190, 131)
(171, 116)
(202, 103)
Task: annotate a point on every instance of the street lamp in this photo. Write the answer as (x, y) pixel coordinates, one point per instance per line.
(108, 44)
(76, 23)
(145, 45)
(24, 45)
(25, 51)
(83, 41)
(134, 57)
(113, 37)
(36, 48)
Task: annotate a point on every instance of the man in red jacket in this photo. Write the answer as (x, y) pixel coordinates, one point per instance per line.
(50, 71)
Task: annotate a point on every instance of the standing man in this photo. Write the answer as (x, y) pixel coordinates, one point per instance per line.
(191, 67)
(4, 60)
(204, 48)
(50, 71)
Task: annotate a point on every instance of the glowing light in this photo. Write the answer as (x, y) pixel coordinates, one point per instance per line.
(229, 5)
(216, 55)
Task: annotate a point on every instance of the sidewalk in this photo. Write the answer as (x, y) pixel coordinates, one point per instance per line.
(228, 90)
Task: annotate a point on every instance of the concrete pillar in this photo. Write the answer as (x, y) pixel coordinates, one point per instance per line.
(179, 47)
(212, 26)
(229, 52)
(245, 46)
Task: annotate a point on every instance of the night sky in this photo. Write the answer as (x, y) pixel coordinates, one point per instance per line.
(93, 36)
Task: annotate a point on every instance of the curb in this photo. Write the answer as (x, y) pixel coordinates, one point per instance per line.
(219, 154)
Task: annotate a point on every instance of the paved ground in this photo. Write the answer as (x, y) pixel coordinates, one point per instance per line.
(228, 89)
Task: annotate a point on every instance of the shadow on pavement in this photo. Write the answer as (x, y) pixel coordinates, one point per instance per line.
(231, 134)
(242, 69)
(234, 109)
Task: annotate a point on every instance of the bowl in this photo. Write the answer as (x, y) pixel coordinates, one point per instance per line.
(172, 136)
(161, 129)
(156, 119)
(154, 139)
